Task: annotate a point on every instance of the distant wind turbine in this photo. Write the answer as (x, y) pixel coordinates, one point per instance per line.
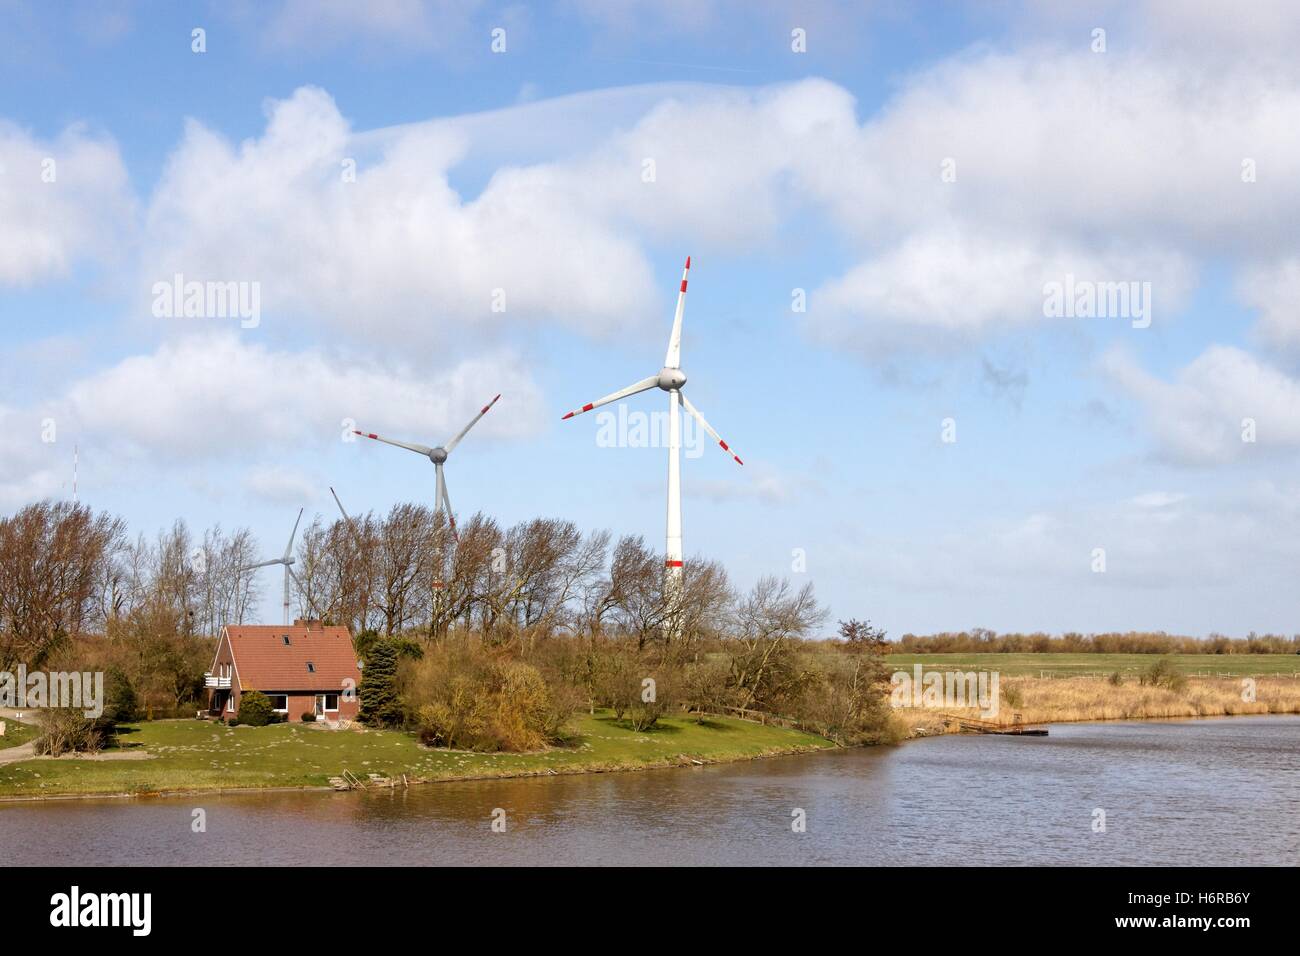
(670, 379)
(356, 537)
(438, 456)
(287, 559)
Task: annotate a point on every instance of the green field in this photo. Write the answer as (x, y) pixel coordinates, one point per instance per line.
(16, 734)
(1101, 665)
(196, 755)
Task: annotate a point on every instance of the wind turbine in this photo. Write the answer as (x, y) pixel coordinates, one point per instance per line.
(287, 559)
(670, 379)
(438, 456)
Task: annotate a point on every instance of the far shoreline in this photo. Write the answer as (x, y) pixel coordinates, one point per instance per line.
(690, 762)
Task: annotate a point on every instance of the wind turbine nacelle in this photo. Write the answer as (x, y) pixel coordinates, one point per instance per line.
(671, 379)
(438, 455)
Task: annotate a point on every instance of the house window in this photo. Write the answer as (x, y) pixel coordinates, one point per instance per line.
(230, 703)
(279, 703)
(286, 640)
(331, 702)
(311, 668)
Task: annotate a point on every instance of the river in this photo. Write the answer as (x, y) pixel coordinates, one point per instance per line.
(1190, 792)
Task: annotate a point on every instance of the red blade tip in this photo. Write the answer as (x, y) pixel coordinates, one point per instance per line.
(688, 262)
(570, 415)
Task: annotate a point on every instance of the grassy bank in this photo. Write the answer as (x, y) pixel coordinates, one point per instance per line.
(15, 734)
(1056, 700)
(193, 755)
(1100, 665)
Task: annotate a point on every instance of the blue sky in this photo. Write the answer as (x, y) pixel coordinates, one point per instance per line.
(826, 171)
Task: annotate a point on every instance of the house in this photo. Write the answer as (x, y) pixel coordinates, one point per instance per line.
(308, 668)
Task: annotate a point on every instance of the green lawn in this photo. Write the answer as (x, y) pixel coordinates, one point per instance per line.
(1032, 665)
(195, 755)
(15, 734)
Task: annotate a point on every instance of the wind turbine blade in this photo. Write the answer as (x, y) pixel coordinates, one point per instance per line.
(311, 605)
(288, 548)
(409, 446)
(263, 564)
(709, 428)
(674, 357)
(446, 506)
(640, 386)
(346, 517)
(464, 431)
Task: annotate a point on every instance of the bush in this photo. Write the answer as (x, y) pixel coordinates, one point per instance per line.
(461, 696)
(1163, 673)
(650, 701)
(843, 696)
(70, 731)
(308, 717)
(255, 709)
(1014, 697)
(1116, 679)
(706, 688)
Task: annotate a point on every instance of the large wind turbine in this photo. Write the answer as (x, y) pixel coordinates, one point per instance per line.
(287, 559)
(670, 379)
(437, 455)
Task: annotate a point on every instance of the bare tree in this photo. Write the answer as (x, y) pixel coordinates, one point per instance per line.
(767, 622)
(475, 564)
(635, 592)
(51, 560)
(408, 561)
(705, 602)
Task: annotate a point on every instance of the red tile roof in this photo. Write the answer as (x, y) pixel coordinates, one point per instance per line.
(264, 662)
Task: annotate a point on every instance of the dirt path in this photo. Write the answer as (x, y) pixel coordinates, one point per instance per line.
(14, 754)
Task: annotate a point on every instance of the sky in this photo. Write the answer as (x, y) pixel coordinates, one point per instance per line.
(887, 207)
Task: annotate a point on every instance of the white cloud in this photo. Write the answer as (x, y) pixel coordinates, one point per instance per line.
(279, 484)
(62, 200)
(1158, 500)
(943, 288)
(1214, 35)
(1199, 417)
(396, 256)
(764, 485)
(1064, 162)
(216, 398)
(1185, 563)
(1274, 290)
(31, 468)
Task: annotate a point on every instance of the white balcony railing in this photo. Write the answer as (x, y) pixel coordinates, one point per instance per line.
(220, 683)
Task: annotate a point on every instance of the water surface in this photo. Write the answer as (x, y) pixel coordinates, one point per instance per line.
(1192, 792)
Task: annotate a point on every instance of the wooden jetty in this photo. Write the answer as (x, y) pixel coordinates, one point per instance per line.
(1016, 728)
